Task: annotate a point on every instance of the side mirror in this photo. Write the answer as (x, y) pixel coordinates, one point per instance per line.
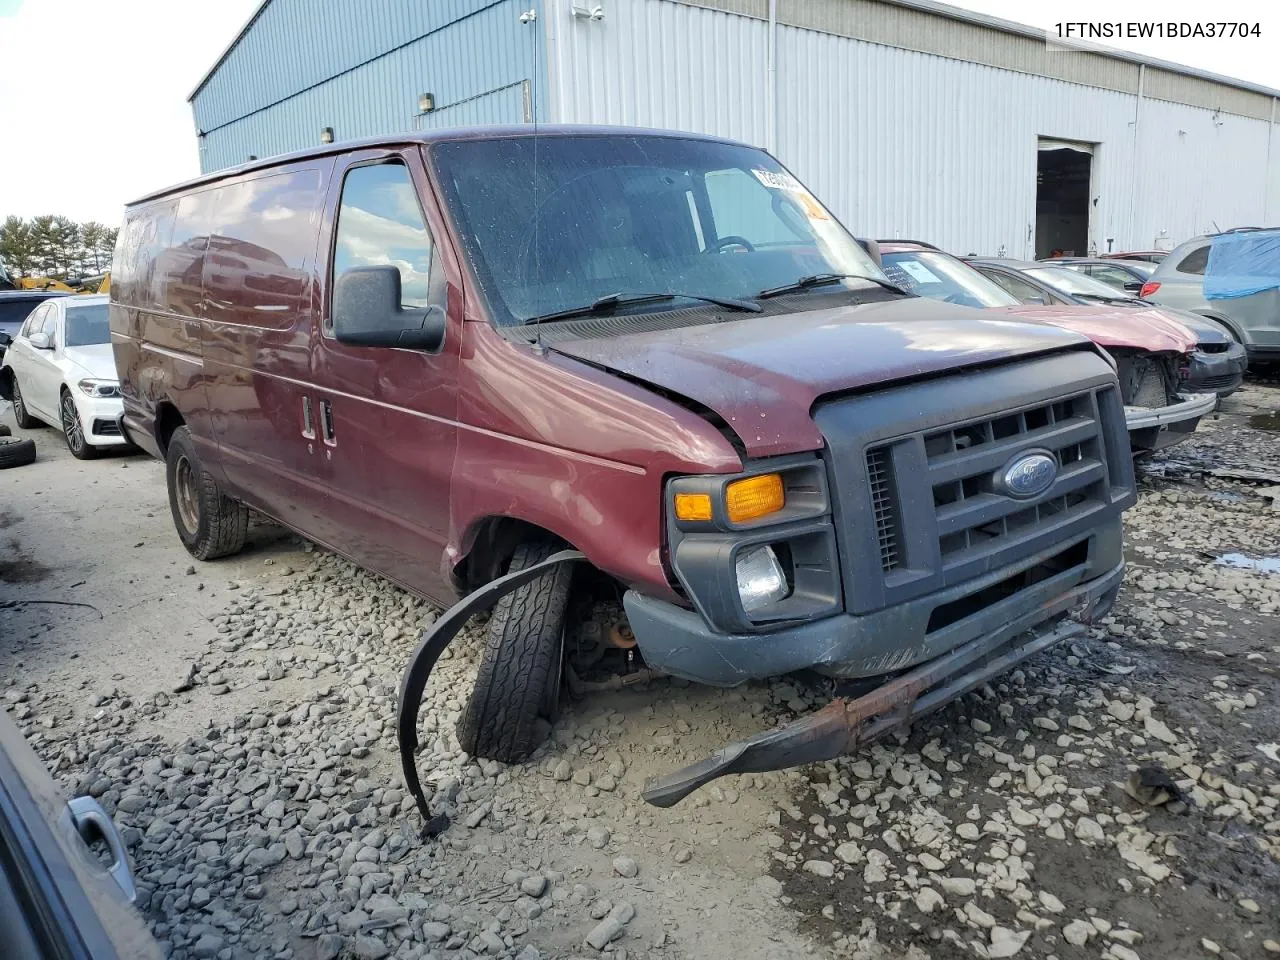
(367, 312)
(40, 341)
(1036, 298)
(873, 251)
(1133, 286)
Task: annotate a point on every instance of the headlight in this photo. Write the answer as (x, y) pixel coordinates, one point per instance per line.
(100, 388)
(761, 580)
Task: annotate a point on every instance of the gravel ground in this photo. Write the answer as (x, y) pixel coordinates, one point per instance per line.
(1119, 797)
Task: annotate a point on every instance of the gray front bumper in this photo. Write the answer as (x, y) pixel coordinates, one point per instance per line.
(679, 642)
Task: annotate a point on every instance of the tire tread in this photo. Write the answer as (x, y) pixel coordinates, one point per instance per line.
(506, 717)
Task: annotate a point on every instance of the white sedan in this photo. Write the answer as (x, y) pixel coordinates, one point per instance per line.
(60, 370)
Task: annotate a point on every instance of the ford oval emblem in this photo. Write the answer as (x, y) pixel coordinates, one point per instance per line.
(1030, 475)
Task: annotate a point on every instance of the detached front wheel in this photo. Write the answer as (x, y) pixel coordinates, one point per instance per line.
(517, 689)
(209, 523)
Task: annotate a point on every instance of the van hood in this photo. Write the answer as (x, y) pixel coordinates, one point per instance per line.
(1136, 328)
(95, 359)
(762, 374)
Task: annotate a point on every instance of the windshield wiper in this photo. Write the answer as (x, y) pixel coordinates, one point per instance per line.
(606, 305)
(822, 279)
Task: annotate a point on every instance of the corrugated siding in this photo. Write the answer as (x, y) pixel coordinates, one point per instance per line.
(1199, 174)
(470, 65)
(652, 63)
(901, 143)
(295, 44)
(927, 148)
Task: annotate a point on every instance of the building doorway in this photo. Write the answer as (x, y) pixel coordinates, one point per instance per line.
(1063, 198)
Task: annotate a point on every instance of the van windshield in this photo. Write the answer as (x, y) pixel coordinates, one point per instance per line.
(556, 222)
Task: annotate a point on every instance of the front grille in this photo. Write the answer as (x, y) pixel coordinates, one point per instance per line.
(886, 514)
(972, 516)
(1220, 382)
(103, 427)
(916, 473)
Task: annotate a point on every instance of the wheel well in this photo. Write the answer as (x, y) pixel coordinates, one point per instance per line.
(493, 540)
(6, 383)
(1231, 325)
(168, 419)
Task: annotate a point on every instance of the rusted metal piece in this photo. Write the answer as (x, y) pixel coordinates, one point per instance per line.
(433, 643)
(844, 725)
(622, 637)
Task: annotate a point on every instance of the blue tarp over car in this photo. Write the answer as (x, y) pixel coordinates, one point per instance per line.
(1242, 264)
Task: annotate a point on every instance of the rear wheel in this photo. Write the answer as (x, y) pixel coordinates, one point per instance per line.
(73, 430)
(516, 696)
(20, 412)
(210, 524)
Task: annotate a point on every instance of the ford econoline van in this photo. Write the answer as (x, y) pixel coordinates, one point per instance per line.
(446, 356)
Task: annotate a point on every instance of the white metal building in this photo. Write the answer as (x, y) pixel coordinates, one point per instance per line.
(909, 118)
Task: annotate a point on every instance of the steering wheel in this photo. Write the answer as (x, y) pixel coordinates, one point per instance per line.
(718, 246)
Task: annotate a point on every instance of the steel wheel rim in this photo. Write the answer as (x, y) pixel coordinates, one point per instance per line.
(71, 424)
(184, 485)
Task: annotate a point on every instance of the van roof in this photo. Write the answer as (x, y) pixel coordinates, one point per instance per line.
(428, 137)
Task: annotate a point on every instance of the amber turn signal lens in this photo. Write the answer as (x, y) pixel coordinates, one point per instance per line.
(693, 506)
(754, 497)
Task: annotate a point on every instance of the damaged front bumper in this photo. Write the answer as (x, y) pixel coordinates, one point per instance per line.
(1155, 428)
(846, 724)
(1220, 373)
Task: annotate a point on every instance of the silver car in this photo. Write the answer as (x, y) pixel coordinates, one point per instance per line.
(1253, 319)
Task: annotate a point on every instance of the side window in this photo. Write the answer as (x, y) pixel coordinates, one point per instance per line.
(1196, 261)
(1020, 289)
(257, 257)
(380, 222)
(738, 210)
(33, 321)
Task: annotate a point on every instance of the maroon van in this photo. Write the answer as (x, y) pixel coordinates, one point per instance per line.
(448, 356)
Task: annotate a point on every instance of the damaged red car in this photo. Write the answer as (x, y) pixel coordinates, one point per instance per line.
(649, 373)
(1153, 352)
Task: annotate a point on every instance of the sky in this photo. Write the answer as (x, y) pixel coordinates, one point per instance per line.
(93, 93)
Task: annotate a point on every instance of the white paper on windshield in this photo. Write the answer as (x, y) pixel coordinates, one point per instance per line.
(918, 271)
(778, 181)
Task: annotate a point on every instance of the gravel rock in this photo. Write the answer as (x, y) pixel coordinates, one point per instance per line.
(820, 868)
(625, 867)
(1089, 830)
(1078, 932)
(534, 886)
(611, 927)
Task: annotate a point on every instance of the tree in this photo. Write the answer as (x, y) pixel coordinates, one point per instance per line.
(15, 246)
(55, 246)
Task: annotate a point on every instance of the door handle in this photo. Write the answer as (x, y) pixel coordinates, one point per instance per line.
(92, 822)
(326, 422)
(308, 419)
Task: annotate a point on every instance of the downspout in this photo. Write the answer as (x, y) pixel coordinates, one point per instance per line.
(1266, 183)
(1133, 166)
(771, 122)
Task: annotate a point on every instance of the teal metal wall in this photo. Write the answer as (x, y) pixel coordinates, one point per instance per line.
(358, 66)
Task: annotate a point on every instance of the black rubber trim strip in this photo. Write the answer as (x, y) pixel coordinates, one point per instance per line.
(433, 643)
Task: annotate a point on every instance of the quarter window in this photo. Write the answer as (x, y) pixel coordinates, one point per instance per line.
(380, 223)
(1195, 262)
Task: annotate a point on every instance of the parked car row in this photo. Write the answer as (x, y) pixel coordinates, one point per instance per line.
(59, 370)
(1166, 381)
